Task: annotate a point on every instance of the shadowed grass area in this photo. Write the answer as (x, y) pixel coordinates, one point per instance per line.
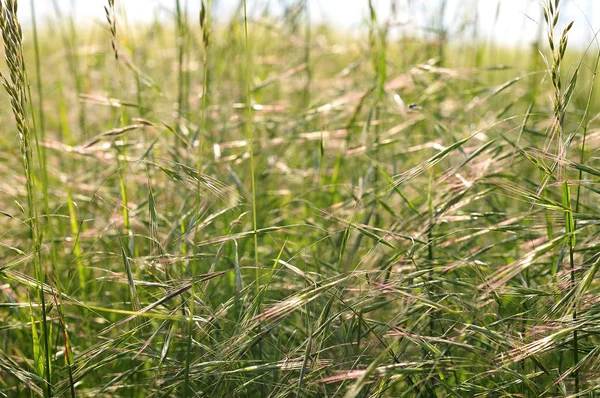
(270, 207)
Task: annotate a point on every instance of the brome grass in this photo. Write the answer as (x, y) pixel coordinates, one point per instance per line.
(268, 206)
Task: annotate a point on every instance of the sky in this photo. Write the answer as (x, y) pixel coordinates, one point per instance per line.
(507, 22)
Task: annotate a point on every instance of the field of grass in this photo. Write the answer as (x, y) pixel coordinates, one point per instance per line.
(273, 208)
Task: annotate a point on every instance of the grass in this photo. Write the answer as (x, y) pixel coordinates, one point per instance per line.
(267, 207)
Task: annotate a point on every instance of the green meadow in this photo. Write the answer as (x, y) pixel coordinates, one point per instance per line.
(274, 207)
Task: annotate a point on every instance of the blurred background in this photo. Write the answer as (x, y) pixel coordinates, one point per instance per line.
(503, 22)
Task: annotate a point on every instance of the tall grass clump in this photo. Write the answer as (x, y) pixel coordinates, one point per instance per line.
(268, 205)
(17, 88)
